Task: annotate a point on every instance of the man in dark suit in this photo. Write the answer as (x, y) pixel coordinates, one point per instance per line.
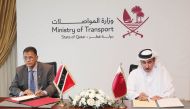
(34, 77)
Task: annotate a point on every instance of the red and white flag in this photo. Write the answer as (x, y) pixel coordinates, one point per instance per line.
(119, 87)
(63, 80)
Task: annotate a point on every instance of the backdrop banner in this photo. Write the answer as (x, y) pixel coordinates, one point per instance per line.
(93, 37)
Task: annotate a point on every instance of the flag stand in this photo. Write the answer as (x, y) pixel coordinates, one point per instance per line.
(122, 104)
(61, 102)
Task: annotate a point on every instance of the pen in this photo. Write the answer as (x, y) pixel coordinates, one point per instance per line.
(38, 90)
(148, 99)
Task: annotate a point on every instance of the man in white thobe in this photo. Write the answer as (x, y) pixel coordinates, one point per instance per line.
(150, 80)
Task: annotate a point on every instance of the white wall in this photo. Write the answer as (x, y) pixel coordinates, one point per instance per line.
(93, 62)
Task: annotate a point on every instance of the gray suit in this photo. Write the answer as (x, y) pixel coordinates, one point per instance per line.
(45, 78)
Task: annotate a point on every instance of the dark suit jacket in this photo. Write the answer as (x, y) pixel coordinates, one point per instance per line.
(45, 78)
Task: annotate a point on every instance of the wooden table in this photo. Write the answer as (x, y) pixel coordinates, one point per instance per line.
(128, 103)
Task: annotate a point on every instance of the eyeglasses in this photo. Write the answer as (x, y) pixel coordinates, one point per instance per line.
(30, 58)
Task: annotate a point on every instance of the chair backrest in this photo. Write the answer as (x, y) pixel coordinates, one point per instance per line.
(132, 67)
(54, 64)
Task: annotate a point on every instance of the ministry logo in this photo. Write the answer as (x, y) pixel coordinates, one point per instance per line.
(133, 25)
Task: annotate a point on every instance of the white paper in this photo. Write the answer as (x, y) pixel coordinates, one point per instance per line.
(170, 102)
(23, 98)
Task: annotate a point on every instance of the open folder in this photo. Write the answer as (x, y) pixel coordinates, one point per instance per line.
(33, 101)
(41, 101)
(165, 102)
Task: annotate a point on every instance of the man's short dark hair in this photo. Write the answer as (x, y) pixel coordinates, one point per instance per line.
(33, 49)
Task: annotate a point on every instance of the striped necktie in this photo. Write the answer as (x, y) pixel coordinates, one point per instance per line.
(32, 84)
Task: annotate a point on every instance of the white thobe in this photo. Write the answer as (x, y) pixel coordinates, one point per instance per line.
(158, 82)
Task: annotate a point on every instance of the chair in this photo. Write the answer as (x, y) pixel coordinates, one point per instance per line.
(132, 67)
(54, 64)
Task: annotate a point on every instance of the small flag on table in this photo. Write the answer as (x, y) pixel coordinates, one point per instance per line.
(119, 87)
(63, 80)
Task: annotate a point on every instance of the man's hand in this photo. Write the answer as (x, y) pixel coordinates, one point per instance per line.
(156, 98)
(142, 97)
(28, 92)
(40, 93)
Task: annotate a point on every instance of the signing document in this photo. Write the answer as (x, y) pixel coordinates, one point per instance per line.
(23, 98)
(149, 103)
